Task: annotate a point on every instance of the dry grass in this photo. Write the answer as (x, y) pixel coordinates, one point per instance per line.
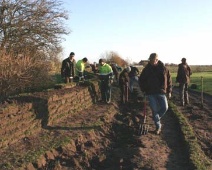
(21, 73)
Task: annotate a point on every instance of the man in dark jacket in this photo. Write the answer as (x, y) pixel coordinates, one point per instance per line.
(124, 81)
(155, 82)
(68, 68)
(183, 78)
(133, 77)
(115, 71)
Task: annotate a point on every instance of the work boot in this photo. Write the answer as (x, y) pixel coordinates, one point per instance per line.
(158, 131)
(108, 101)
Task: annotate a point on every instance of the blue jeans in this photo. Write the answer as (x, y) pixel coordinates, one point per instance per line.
(159, 105)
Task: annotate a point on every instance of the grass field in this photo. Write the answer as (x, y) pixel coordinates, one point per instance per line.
(198, 72)
(196, 78)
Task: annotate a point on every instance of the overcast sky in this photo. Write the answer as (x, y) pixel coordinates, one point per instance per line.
(136, 28)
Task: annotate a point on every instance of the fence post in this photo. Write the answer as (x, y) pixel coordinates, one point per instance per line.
(202, 91)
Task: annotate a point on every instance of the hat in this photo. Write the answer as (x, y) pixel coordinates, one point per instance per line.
(128, 69)
(183, 59)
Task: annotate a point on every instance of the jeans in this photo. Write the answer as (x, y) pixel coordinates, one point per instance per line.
(184, 93)
(159, 105)
(133, 80)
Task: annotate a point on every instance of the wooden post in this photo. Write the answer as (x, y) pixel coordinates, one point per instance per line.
(202, 91)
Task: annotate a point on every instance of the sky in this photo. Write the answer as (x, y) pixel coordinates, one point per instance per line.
(174, 29)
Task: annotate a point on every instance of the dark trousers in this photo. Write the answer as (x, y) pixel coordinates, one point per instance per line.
(105, 88)
(68, 79)
(184, 93)
(124, 92)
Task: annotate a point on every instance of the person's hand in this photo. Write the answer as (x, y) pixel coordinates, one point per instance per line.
(169, 95)
(111, 81)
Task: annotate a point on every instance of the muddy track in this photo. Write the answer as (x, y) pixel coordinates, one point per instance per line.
(200, 118)
(150, 151)
(105, 137)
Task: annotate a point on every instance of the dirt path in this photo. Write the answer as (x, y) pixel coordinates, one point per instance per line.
(126, 150)
(151, 151)
(200, 118)
(105, 137)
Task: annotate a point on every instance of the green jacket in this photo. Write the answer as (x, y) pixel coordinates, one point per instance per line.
(105, 72)
(80, 68)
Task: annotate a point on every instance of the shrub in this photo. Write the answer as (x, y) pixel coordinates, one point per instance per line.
(21, 74)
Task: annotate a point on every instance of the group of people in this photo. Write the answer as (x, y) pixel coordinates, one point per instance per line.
(128, 77)
(156, 84)
(71, 69)
(154, 81)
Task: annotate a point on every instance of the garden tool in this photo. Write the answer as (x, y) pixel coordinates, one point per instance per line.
(143, 126)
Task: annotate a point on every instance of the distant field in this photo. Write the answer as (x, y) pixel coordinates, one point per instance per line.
(194, 68)
(196, 79)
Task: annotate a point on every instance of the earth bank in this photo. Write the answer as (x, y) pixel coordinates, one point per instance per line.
(103, 136)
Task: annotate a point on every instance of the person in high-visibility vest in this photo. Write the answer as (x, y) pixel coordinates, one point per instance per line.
(106, 78)
(80, 68)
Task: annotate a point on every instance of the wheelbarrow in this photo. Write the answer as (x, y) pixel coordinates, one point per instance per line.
(143, 126)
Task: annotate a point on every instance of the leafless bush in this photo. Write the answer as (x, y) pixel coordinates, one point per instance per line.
(113, 57)
(21, 73)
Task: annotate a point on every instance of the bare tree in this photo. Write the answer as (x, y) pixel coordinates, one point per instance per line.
(114, 57)
(31, 25)
(30, 36)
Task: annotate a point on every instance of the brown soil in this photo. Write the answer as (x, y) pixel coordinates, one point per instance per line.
(105, 137)
(199, 115)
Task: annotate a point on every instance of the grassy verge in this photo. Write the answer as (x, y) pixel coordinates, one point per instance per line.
(196, 78)
(198, 160)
